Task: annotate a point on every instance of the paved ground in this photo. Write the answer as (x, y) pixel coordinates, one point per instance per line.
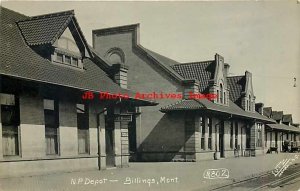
(150, 176)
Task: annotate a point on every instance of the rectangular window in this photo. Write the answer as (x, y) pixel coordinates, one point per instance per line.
(209, 133)
(231, 135)
(202, 133)
(83, 129)
(59, 57)
(74, 61)
(259, 135)
(236, 135)
(68, 60)
(51, 126)
(10, 121)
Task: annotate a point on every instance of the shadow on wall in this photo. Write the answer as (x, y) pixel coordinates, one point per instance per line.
(166, 141)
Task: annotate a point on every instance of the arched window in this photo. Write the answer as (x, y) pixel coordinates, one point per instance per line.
(115, 56)
(221, 93)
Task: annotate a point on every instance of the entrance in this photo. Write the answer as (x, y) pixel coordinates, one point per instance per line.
(221, 140)
(109, 142)
(132, 140)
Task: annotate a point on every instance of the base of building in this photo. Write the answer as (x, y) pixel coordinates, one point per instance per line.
(38, 167)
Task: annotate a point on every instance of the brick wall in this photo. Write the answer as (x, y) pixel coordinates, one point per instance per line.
(153, 125)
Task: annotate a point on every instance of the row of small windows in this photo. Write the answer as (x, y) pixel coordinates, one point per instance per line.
(66, 59)
(10, 118)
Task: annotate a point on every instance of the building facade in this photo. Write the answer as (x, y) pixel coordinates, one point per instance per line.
(186, 129)
(52, 117)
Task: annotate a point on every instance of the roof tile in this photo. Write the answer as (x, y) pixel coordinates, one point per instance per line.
(202, 71)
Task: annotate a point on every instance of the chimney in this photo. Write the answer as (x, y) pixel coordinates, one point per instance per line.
(259, 108)
(226, 70)
(120, 74)
(191, 86)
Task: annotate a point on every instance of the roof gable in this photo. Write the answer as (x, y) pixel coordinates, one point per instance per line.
(248, 86)
(22, 62)
(67, 42)
(44, 29)
(287, 118)
(277, 115)
(47, 29)
(267, 111)
(162, 62)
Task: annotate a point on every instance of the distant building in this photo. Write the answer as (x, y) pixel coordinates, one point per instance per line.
(283, 130)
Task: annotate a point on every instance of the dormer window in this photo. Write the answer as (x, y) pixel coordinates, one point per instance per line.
(59, 57)
(67, 59)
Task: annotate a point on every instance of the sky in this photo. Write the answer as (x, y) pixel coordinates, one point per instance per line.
(260, 37)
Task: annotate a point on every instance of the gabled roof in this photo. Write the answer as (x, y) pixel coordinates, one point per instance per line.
(204, 104)
(287, 118)
(267, 111)
(45, 29)
(236, 87)
(18, 60)
(277, 115)
(202, 71)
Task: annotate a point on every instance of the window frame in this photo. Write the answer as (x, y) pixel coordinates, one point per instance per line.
(12, 128)
(84, 115)
(74, 60)
(48, 133)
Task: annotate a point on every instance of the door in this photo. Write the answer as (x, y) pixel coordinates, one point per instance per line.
(109, 142)
(221, 140)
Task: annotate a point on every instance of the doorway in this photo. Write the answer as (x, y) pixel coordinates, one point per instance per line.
(221, 140)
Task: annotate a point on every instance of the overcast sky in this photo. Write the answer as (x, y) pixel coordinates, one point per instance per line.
(261, 37)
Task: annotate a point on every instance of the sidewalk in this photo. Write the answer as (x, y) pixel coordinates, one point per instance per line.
(158, 176)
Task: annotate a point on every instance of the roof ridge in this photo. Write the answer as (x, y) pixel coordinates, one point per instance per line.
(199, 62)
(116, 28)
(160, 55)
(234, 76)
(49, 15)
(13, 11)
